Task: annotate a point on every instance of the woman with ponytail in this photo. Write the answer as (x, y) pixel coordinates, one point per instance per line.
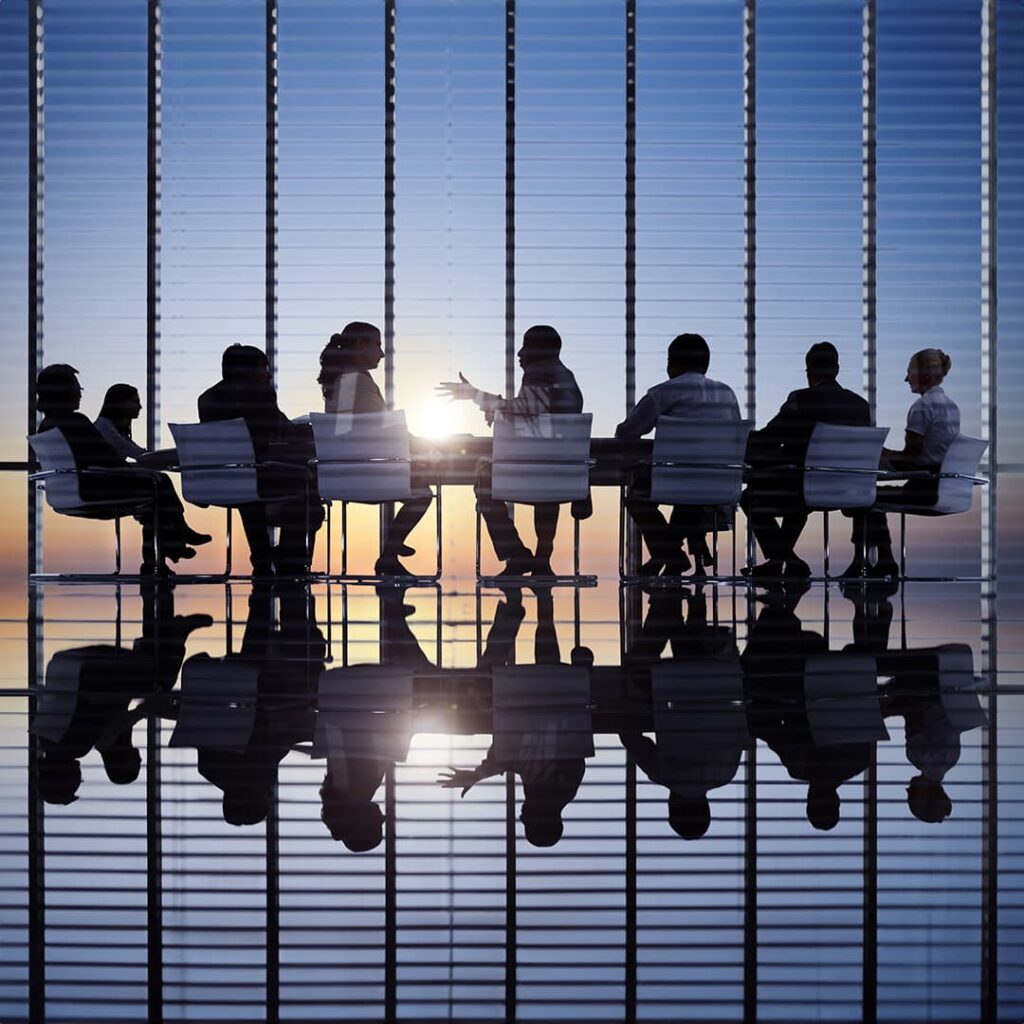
(932, 423)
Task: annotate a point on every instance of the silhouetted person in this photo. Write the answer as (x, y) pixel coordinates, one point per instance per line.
(83, 703)
(347, 386)
(58, 397)
(774, 666)
(548, 386)
(246, 392)
(287, 659)
(361, 747)
(775, 491)
(687, 394)
(544, 746)
(935, 714)
(933, 421)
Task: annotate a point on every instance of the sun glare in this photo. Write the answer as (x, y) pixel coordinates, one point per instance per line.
(437, 417)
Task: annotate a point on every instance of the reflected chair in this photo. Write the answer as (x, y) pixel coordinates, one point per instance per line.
(694, 462)
(841, 471)
(842, 699)
(365, 458)
(956, 480)
(538, 460)
(61, 479)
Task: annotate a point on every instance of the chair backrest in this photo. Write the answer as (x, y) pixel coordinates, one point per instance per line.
(958, 690)
(541, 713)
(205, 453)
(541, 458)
(54, 454)
(963, 456)
(833, 447)
(843, 703)
(711, 452)
(364, 711)
(362, 456)
(217, 704)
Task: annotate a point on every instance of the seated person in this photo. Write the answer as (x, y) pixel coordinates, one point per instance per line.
(548, 387)
(687, 394)
(347, 387)
(246, 392)
(58, 397)
(932, 423)
(777, 491)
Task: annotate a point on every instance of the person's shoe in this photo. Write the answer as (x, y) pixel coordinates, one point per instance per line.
(770, 570)
(404, 551)
(889, 569)
(541, 569)
(182, 553)
(856, 570)
(160, 569)
(291, 569)
(390, 566)
(652, 567)
(797, 569)
(195, 538)
(262, 570)
(518, 565)
(676, 565)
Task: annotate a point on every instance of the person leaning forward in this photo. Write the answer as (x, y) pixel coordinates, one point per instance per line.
(773, 500)
(548, 387)
(345, 365)
(246, 392)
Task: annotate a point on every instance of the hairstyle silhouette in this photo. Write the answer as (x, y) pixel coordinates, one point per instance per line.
(822, 359)
(689, 353)
(57, 388)
(242, 361)
(115, 406)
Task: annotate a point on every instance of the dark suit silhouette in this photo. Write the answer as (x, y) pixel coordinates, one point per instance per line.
(782, 442)
(296, 508)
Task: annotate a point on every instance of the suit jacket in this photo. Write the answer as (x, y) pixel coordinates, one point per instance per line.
(87, 444)
(254, 403)
(783, 439)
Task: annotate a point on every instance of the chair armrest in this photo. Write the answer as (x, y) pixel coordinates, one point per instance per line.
(697, 465)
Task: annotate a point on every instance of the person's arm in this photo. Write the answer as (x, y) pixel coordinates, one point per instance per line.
(124, 446)
(919, 420)
(640, 421)
(532, 400)
(466, 778)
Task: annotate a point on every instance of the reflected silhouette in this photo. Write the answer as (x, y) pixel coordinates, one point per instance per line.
(84, 702)
(244, 712)
(541, 719)
(814, 712)
(364, 727)
(696, 697)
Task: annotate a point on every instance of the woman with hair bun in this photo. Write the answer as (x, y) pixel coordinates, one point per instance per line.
(932, 423)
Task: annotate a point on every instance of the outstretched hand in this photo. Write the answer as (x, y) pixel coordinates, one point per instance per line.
(456, 390)
(457, 778)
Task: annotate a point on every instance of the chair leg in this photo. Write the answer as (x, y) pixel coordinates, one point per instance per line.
(622, 532)
(714, 545)
(824, 541)
(438, 521)
(117, 546)
(344, 538)
(477, 540)
(575, 546)
(903, 545)
(327, 557)
(228, 550)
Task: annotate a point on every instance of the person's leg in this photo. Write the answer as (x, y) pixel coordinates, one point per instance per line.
(502, 531)
(254, 523)
(402, 525)
(300, 520)
(663, 542)
(766, 531)
(545, 523)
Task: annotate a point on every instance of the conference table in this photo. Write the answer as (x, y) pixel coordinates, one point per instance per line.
(456, 457)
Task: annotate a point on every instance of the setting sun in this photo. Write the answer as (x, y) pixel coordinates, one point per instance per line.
(437, 417)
